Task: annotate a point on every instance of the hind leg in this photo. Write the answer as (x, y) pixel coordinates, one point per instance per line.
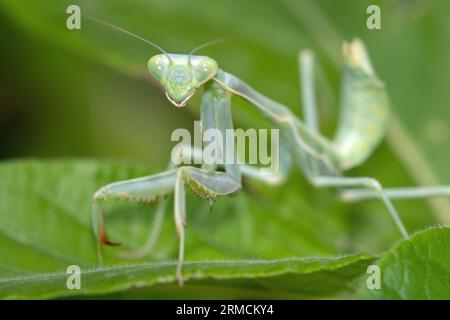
(369, 183)
(352, 195)
(309, 106)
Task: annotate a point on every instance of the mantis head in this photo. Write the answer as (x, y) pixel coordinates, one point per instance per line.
(181, 75)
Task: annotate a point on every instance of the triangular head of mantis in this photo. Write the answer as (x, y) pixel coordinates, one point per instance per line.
(181, 74)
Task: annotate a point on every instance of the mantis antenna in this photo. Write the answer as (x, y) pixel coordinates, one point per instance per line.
(207, 44)
(131, 34)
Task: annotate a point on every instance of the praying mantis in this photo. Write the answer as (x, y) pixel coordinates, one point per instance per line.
(362, 126)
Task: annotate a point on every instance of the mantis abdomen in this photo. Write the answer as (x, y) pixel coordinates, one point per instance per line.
(364, 110)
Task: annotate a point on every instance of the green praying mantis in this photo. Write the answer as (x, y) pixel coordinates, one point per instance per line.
(362, 126)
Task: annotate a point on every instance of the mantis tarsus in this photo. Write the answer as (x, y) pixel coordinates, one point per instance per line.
(362, 125)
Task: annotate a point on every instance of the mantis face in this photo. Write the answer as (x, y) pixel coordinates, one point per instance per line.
(181, 75)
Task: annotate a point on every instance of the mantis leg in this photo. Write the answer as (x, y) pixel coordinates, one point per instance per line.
(306, 65)
(216, 115)
(148, 190)
(205, 184)
(254, 172)
(161, 209)
(352, 195)
(309, 142)
(370, 183)
(153, 236)
(272, 179)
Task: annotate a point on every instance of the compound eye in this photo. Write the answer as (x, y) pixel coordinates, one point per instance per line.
(205, 69)
(157, 65)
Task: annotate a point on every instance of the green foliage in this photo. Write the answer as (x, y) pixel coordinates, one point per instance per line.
(416, 269)
(45, 227)
(87, 93)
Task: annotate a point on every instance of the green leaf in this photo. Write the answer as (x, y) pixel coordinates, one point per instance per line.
(67, 103)
(45, 226)
(293, 277)
(418, 268)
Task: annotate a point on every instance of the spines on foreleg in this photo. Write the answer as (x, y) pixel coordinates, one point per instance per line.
(201, 191)
(146, 190)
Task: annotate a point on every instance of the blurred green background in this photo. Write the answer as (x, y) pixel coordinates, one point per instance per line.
(86, 93)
